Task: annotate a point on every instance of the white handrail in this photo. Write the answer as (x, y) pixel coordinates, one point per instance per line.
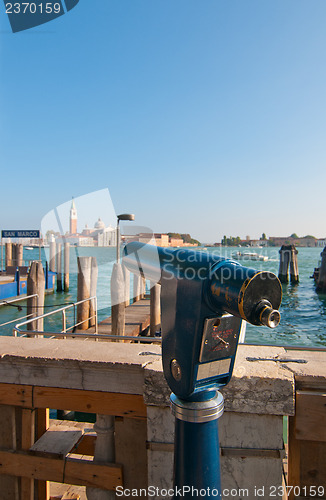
(65, 335)
(17, 328)
(11, 301)
(18, 299)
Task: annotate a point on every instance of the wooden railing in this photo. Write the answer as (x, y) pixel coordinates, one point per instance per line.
(124, 386)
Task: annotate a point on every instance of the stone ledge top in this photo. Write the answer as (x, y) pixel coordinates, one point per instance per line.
(112, 353)
(74, 364)
(263, 387)
(259, 386)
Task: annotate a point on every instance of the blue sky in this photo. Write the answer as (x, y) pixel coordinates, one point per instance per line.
(200, 116)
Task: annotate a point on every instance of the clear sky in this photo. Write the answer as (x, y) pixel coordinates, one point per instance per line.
(205, 117)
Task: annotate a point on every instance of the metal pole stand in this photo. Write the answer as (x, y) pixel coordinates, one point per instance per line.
(196, 448)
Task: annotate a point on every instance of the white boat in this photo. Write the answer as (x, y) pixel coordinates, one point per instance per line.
(29, 248)
(249, 256)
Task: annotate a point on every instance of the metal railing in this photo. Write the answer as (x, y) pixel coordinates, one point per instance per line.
(18, 331)
(11, 301)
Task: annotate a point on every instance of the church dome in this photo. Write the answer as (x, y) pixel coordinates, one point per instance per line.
(99, 224)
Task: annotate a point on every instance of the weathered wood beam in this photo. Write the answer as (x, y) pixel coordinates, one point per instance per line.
(106, 403)
(80, 471)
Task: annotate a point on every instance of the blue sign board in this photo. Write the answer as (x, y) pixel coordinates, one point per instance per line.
(34, 233)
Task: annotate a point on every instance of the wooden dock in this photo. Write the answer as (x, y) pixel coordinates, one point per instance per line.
(137, 319)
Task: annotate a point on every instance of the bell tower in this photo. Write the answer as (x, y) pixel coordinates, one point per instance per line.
(73, 218)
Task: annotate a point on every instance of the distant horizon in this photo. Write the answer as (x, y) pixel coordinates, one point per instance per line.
(204, 242)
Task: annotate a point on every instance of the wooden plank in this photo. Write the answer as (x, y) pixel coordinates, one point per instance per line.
(85, 472)
(130, 442)
(58, 440)
(43, 421)
(58, 491)
(43, 489)
(105, 403)
(137, 319)
(82, 471)
(26, 488)
(73, 425)
(8, 483)
(70, 495)
(42, 418)
(310, 416)
(313, 466)
(28, 438)
(16, 395)
(293, 457)
(28, 428)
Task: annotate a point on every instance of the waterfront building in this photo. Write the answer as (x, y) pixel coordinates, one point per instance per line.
(76, 240)
(306, 241)
(176, 242)
(107, 237)
(159, 239)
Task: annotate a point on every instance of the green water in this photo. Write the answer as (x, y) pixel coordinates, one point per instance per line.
(303, 311)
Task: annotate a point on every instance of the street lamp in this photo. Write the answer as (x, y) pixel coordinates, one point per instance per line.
(119, 218)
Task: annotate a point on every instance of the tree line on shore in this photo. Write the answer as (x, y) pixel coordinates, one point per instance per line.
(185, 237)
(235, 241)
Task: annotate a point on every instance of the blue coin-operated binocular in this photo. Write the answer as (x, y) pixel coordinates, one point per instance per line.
(204, 300)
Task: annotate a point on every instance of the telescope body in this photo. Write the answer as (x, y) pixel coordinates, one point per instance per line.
(204, 299)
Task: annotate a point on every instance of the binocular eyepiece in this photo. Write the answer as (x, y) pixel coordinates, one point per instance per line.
(267, 315)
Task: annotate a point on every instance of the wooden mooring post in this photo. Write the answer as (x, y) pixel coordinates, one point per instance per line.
(93, 287)
(17, 254)
(126, 274)
(52, 256)
(321, 283)
(155, 309)
(8, 260)
(143, 287)
(35, 285)
(59, 267)
(118, 299)
(84, 265)
(66, 267)
(137, 287)
(288, 258)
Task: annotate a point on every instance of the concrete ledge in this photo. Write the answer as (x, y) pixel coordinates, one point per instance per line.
(263, 387)
(73, 364)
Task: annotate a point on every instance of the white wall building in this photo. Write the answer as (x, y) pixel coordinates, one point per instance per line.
(107, 237)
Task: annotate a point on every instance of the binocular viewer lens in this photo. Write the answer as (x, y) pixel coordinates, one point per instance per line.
(267, 315)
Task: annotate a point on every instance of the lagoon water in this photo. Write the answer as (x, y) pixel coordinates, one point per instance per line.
(303, 311)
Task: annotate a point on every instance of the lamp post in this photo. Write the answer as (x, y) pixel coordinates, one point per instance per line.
(119, 218)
